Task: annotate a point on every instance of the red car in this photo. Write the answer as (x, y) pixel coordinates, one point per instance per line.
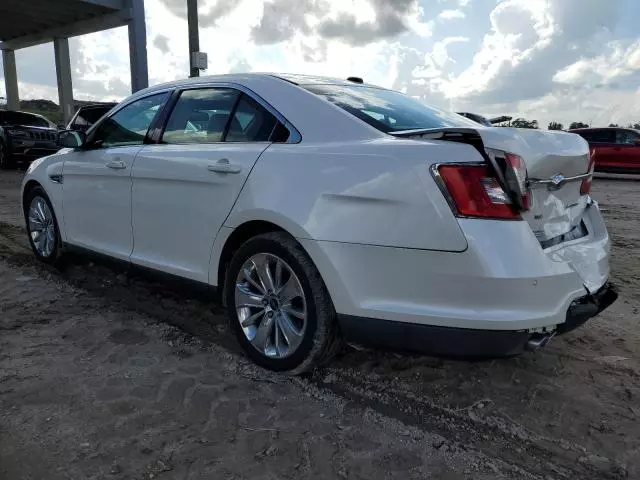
(616, 150)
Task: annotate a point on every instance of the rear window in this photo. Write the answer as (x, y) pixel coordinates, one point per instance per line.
(598, 136)
(89, 116)
(387, 110)
(21, 118)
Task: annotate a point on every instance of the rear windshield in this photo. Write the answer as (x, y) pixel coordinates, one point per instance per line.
(21, 118)
(387, 110)
(90, 115)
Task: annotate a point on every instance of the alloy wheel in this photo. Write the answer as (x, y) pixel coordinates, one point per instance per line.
(42, 227)
(270, 305)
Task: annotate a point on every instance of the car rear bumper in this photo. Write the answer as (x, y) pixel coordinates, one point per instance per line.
(468, 343)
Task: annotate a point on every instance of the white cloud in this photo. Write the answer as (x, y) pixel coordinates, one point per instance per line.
(450, 14)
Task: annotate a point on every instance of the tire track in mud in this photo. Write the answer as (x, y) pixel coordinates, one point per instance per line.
(468, 428)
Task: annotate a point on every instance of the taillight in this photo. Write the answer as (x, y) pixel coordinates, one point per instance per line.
(585, 187)
(475, 192)
(519, 170)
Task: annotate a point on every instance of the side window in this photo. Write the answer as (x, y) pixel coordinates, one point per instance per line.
(251, 122)
(130, 124)
(200, 116)
(626, 137)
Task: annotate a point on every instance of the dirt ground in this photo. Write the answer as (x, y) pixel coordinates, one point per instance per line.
(105, 374)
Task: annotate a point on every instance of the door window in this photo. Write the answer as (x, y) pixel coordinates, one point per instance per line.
(626, 137)
(129, 125)
(200, 116)
(251, 122)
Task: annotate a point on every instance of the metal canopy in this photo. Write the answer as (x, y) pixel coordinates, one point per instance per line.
(25, 23)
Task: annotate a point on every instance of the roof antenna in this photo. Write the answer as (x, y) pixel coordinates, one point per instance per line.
(355, 79)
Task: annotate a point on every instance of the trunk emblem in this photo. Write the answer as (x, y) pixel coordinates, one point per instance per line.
(557, 180)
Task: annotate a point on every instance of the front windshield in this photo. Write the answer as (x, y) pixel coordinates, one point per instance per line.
(387, 110)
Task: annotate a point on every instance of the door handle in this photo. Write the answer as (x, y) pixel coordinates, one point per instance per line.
(223, 166)
(117, 164)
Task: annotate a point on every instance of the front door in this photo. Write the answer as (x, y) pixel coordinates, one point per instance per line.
(97, 180)
(185, 186)
(628, 149)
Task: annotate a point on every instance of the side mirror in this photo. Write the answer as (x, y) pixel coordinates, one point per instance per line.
(71, 139)
(637, 142)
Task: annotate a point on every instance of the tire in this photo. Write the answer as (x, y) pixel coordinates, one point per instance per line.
(319, 338)
(6, 162)
(53, 251)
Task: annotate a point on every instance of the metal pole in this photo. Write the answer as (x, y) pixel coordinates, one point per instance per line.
(138, 47)
(194, 35)
(11, 79)
(63, 74)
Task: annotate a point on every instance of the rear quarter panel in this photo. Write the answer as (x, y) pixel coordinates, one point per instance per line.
(377, 192)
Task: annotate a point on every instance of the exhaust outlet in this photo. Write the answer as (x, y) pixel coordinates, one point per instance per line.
(537, 341)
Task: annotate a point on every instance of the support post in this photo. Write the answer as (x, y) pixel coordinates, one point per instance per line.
(138, 47)
(194, 35)
(11, 79)
(63, 74)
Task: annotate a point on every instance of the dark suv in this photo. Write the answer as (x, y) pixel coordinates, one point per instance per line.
(25, 136)
(616, 150)
(87, 115)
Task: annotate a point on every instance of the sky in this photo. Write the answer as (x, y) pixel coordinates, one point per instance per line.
(560, 60)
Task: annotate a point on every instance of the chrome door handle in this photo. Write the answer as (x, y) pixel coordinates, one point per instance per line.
(223, 166)
(116, 165)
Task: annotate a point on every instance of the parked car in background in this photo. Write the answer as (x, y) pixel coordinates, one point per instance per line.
(325, 210)
(615, 149)
(25, 137)
(87, 115)
(476, 118)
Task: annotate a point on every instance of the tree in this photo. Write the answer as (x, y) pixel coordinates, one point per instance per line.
(578, 125)
(523, 123)
(614, 125)
(555, 126)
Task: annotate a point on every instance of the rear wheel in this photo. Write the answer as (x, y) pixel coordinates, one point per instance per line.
(5, 158)
(42, 226)
(279, 307)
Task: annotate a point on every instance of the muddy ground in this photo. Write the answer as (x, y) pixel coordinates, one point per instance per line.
(104, 374)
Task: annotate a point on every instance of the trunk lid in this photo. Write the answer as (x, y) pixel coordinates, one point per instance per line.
(555, 162)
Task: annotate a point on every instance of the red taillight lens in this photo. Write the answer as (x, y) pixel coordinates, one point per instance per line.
(519, 170)
(476, 192)
(585, 187)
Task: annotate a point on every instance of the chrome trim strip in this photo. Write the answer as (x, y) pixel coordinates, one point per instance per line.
(554, 183)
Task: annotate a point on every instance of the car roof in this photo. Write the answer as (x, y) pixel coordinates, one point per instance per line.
(297, 79)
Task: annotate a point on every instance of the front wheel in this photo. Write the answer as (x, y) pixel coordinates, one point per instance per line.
(279, 307)
(42, 226)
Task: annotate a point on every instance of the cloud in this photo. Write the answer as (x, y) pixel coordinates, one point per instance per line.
(161, 42)
(451, 14)
(208, 15)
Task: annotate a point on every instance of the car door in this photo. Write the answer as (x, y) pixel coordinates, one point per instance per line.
(628, 149)
(185, 186)
(97, 179)
(602, 143)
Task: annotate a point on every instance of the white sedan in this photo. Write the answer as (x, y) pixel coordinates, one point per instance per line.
(326, 210)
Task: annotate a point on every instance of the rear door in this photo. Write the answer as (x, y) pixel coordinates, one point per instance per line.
(603, 148)
(185, 186)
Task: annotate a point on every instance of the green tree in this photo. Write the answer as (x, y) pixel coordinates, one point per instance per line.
(614, 125)
(523, 123)
(555, 126)
(578, 125)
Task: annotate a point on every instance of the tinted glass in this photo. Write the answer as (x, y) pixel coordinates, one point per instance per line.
(130, 124)
(626, 137)
(21, 118)
(200, 116)
(387, 110)
(89, 116)
(251, 122)
(598, 136)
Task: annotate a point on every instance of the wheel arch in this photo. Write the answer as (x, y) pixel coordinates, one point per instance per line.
(30, 185)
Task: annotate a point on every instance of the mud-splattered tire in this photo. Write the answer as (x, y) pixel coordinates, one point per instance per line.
(40, 220)
(319, 338)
